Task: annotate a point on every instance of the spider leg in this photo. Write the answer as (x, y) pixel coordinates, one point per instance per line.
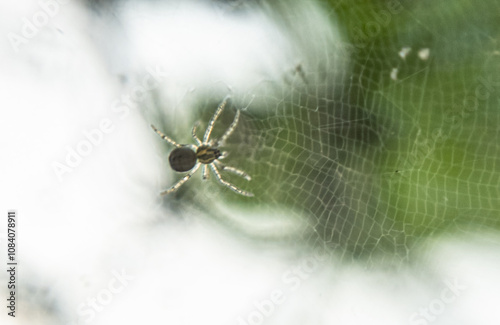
(195, 137)
(227, 184)
(183, 180)
(230, 130)
(204, 171)
(223, 155)
(214, 118)
(233, 170)
(164, 137)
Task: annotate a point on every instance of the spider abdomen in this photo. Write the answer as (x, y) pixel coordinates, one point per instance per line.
(207, 154)
(182, 159)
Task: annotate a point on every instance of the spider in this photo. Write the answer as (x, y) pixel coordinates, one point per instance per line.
(190, 157)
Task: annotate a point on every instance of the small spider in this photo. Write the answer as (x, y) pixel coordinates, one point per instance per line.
(190, 157)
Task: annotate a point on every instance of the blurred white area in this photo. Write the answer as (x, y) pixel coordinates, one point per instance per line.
(80, 229)
(198, 45)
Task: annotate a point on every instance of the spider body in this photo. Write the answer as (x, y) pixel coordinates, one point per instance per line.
(189, 158)
(184, 158)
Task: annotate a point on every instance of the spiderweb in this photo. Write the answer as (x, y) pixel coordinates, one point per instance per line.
(399, 144)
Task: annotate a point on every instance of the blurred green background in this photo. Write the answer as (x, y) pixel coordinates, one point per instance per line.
(384, 139)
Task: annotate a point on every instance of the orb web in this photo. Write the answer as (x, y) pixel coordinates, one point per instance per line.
(383, 141)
